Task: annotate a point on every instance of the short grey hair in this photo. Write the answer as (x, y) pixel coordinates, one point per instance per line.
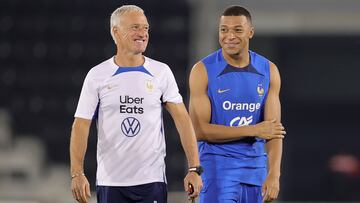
(115, 16)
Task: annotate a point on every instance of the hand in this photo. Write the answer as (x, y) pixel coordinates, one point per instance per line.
(270, 188)
(80, 189)
(270, 129)
(193, 179)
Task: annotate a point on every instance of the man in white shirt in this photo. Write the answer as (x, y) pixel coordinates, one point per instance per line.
(125, 94)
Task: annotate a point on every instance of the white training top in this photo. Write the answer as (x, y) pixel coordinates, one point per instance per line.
(127, 102)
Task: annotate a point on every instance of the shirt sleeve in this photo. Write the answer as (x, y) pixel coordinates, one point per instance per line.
(170, 88)
(89, 99)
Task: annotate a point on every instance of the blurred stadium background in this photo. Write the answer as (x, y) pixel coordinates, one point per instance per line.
(47, 47)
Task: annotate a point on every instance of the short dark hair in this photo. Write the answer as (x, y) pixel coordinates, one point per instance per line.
(237, 11)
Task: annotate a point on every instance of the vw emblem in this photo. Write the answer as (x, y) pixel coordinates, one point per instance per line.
(130, 126)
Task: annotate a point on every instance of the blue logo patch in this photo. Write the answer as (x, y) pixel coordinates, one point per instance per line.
(130, 126)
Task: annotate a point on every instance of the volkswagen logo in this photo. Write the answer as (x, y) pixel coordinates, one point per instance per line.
(130, 126)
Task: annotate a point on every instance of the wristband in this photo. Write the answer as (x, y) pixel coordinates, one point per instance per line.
(197, 169)
(76, 175)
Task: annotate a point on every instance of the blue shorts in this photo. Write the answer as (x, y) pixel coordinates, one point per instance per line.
(147, 193)
(229, 192)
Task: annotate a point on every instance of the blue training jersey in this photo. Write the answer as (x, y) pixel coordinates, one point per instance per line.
(237, 97)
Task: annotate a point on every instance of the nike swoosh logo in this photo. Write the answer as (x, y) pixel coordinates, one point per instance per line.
(222, 91)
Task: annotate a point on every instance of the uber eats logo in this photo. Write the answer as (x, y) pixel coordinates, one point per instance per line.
(131, 104)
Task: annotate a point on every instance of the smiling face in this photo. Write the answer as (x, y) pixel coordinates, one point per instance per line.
(234, 34)
(132, 33)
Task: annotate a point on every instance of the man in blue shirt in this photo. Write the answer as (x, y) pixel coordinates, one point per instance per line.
(235, 109)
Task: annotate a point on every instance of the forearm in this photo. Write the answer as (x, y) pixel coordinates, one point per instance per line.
(188, 139)
(200, 112)
(78, 146)
(221, 133)
(274, 151)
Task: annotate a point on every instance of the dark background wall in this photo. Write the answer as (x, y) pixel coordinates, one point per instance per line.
(47, 47)
(320, 107)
